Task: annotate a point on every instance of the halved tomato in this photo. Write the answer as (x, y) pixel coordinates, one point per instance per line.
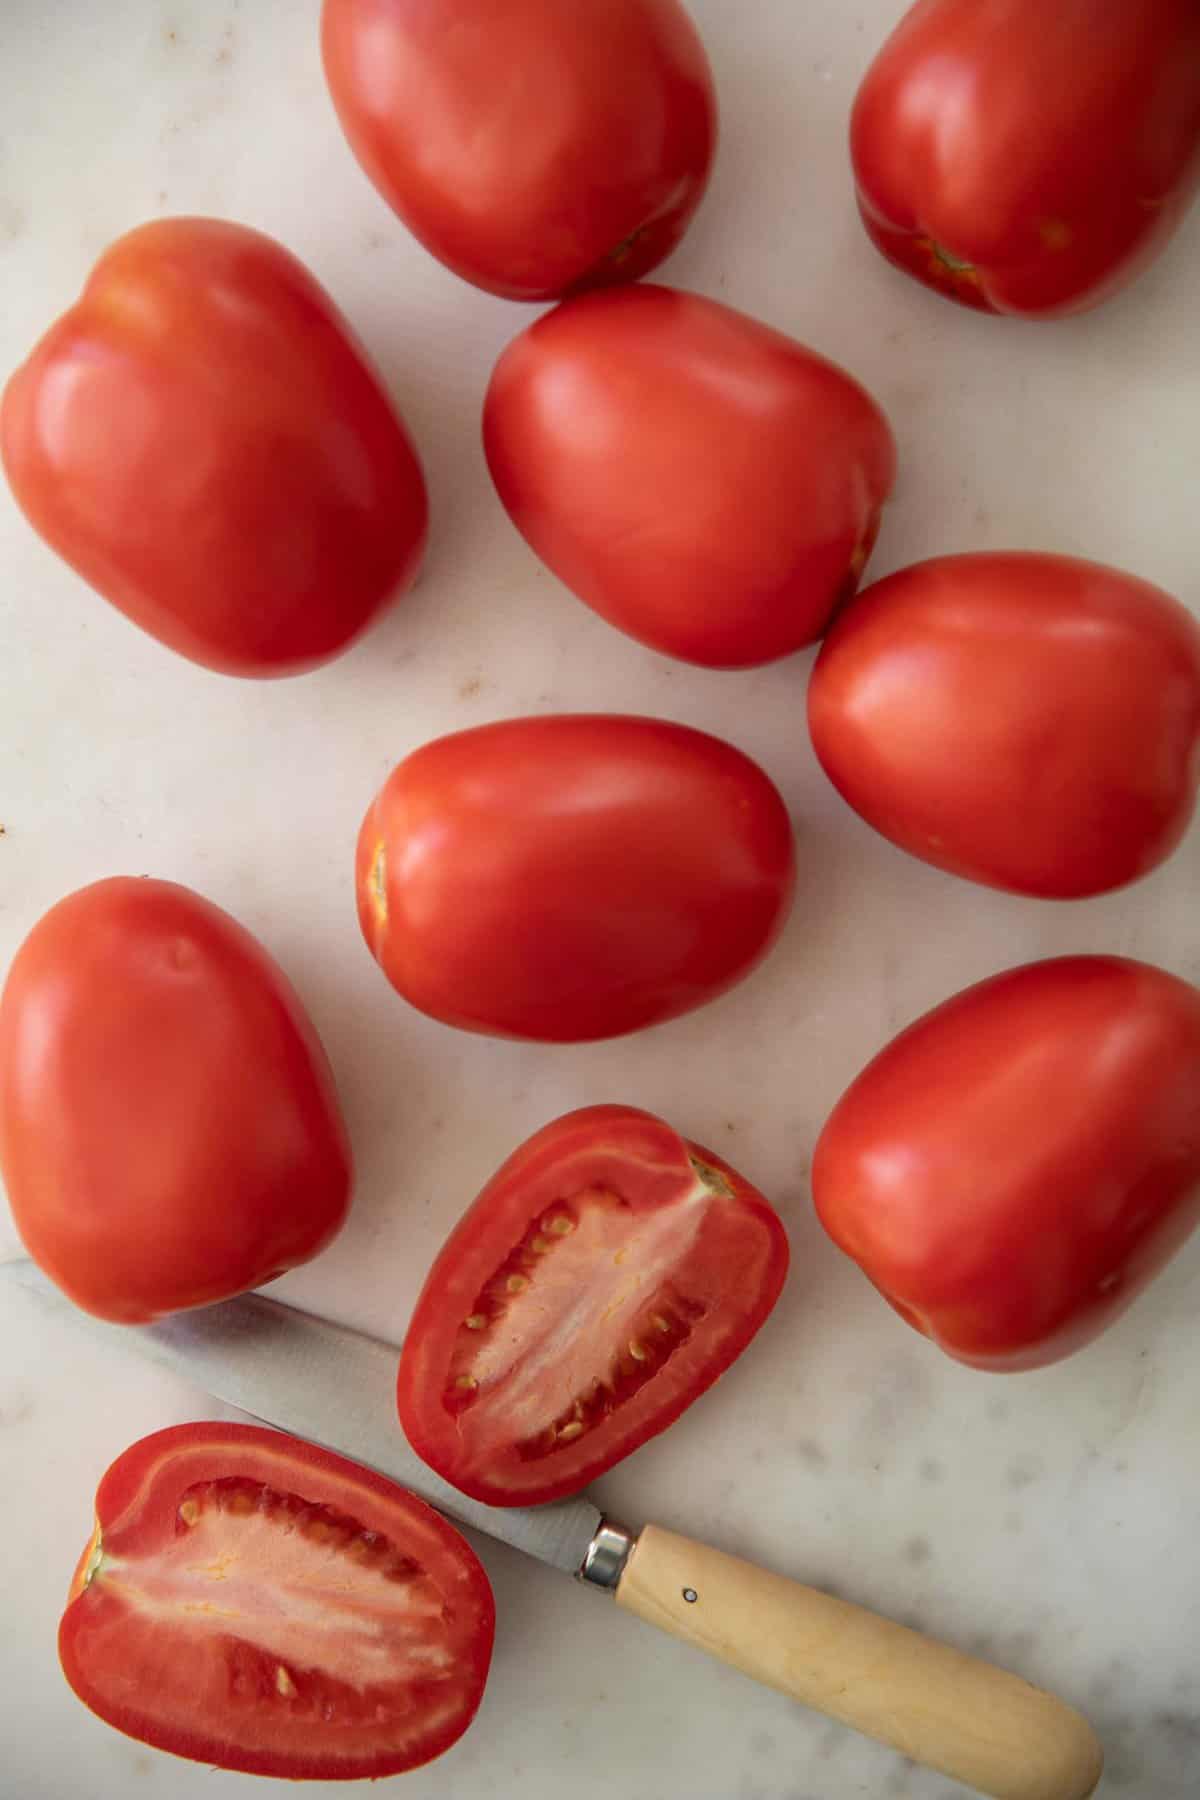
(254, 1602)
(604, 1278)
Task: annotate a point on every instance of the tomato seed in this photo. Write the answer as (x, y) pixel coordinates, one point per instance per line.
(559, 1225)
(467, 1383)
(540, 1245)
(284, 1683)
(636, 1351)
(572, 1430)
(516, 1284)
(189, 1512)
(476, 1322)
(659, 1323)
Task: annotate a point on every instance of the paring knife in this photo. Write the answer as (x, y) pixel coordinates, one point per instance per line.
(965, 1718)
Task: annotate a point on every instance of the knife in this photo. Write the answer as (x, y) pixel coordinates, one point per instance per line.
(965, 1718)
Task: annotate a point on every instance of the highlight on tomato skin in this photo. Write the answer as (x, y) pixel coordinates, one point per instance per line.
(572, 877)
(253, 1602)
(605, 1277)
(203, 440)
(1013, 1169)
(170, 1129)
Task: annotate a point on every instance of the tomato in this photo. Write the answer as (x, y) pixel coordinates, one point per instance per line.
(1030, 722)
(1025, 157)
(705, 483)
(535, 146)
(572, 877)
(603, 1280)
(169, 1126)
(202, 440)
(1015, 1167)
(253, 1602)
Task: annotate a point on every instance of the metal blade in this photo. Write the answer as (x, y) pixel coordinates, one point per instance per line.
(319, 1381)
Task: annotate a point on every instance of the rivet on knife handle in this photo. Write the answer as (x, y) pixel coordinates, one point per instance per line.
(965, 1718)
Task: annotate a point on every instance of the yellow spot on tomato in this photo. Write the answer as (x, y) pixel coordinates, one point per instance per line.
(1055, 234)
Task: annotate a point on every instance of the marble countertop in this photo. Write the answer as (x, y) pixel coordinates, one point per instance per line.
(1049, 1520)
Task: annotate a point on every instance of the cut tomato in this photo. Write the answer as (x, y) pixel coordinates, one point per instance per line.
(254, 1602)
(603, 1279)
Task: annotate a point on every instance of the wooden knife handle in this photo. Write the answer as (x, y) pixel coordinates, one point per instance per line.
(970, 1721)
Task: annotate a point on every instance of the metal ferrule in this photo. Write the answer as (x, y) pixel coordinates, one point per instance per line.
(607, 1555)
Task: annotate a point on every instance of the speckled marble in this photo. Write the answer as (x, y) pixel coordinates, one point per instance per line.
(1051, 1520)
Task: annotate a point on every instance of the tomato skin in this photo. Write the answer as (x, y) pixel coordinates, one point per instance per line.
(1053, 193)
(712, 487)
(201, 438)
(572, 877)
(171, 1680)
(536, 147)
(737, 1261)
(169, 1126)
(1026, 721)
(1015, 1167)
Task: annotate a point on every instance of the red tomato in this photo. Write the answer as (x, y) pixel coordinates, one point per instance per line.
(572, 877)
(703, 482)
(534, 146)
(253, 1602)
(169, 1126)
(1030, 156)
(1031, 722)
(603, 1280)
(201, 439)
(1015, 1167)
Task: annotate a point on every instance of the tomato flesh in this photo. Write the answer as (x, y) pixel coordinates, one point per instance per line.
(604, 1278)
(254, 1602)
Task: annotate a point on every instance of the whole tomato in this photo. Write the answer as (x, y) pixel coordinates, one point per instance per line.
(708, 485)
(1015, 1167)
(169, 1127)
(608, 1273)
(200, 437)
(1030, 156)
(574, 876)
(536, 147)
(1031, 722)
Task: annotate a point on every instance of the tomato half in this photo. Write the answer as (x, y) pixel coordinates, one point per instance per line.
(251, 1601)
(603, 1280)
(1030, 722)
(703, 482)
(574, 876)
(535, 146)
(169, 1127)
(1025, 157)
(201, 438)
(1015, 1167)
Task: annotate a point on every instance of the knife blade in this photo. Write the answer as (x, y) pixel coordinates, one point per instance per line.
(320, 1381)
(965, 1718)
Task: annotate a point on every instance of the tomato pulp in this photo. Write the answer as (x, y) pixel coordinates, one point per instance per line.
(574, 876)
(1025, 157)
(169, 1126)
(704, 483)
(202, 439)
(536, 147)
(1014, 1168)
(256, 1603)
(603, 1280)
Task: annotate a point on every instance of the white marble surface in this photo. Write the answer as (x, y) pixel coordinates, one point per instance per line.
(1049, 1520)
